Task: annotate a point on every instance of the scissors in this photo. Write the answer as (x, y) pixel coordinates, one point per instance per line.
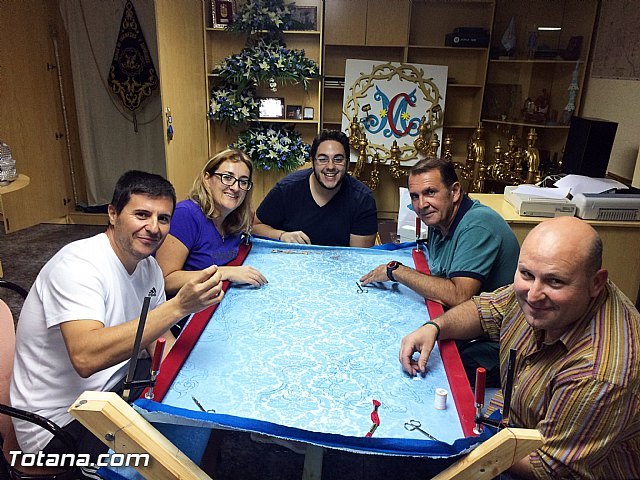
(412, 425)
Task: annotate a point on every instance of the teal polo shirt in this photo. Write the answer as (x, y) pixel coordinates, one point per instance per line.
(479, 245)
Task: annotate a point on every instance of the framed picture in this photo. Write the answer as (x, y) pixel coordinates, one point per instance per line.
(308, 113)
(271, 107)
(294, 112)
(222, 12)
(304, 18)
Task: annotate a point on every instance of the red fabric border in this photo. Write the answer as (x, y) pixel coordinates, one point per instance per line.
(173, 362)
(458, 381)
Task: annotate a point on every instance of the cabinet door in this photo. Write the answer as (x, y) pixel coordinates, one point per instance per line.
(387, 22)
(183, 88)
(345, 22)
(30, 113)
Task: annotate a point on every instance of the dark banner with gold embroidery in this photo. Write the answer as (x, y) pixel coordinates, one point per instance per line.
(132, 76)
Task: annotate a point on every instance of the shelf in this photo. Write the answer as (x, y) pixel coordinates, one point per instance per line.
(525, 124)
(462, 126)
(449, 49)
(464, 85)
(287, 82)
(277, 120)
(535, 60)
(20, 182)
(286, 32)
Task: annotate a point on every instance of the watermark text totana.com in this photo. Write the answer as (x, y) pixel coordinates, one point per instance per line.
(41, 459)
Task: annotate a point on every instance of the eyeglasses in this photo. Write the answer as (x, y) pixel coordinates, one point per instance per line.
(229, 180)
(337, 160)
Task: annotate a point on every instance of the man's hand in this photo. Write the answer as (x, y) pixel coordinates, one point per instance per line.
(295, 237)
(202, 291)
(378, 274)
(243, 274)
(421, 340)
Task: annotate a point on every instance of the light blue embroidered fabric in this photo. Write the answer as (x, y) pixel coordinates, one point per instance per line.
(310, 350)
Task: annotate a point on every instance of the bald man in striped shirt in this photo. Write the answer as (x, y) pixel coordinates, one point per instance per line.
(577, 377)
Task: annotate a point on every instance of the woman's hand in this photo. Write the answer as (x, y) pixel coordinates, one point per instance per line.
(243, 274)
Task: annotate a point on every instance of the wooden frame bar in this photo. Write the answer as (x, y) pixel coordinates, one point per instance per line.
(108, 416)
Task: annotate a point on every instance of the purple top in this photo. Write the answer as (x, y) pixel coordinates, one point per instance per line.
(201, 237)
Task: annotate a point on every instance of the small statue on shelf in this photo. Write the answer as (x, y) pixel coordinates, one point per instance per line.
(447, 148)
(476, 158)
(362, 157)
(494, 170)
(532, 156)
(434, 145)
(508, 40)
(478, 145)
(421, 143)
(354, 132)
(567, 113)
(374, 177)
(537, 111)
(394, 161)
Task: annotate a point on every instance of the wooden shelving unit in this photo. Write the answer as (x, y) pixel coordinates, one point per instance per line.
(511, 81)
(220, 43)
(410, 32)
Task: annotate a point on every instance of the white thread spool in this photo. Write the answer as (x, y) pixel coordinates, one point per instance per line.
(441, 399)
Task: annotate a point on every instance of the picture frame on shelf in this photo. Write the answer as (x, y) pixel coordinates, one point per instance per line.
(222, 12)
(308, 113)
(304, 18)
(294, 112)
(271, 107)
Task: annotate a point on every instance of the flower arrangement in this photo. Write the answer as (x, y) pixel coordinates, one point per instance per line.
(265, 59)
(266, 62)
(257, 15)
(273, 148)
(232, 106)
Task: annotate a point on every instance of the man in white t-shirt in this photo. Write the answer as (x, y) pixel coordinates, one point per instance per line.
(78, 324)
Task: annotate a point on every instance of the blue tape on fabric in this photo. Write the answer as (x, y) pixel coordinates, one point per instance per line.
(157, 413)
(395, 246)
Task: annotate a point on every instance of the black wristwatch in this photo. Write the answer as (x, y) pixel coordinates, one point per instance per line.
(391, 266)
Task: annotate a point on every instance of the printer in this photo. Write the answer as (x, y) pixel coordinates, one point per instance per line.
(530, 205)
(607, 206)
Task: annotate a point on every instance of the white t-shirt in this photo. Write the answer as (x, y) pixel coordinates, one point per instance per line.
(84, 280)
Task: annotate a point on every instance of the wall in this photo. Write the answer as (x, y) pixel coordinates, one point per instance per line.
(612, 91)
(617, 101)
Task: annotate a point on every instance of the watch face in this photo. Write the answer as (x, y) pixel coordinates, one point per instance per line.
(392, 265)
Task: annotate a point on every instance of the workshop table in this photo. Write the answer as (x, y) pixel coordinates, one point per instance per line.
(304, 357)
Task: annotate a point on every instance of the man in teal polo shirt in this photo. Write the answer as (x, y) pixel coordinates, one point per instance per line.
(471, 250)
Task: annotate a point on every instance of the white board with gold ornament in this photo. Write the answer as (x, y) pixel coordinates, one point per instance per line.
(390, 100)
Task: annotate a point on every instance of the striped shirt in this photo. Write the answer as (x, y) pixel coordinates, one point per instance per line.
(581, 392)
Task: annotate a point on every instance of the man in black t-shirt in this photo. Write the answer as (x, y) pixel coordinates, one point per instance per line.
(322, 205)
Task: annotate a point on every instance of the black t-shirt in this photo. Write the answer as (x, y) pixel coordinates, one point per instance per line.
(290, 206)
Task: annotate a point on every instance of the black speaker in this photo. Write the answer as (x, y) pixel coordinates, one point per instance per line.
(588, 146)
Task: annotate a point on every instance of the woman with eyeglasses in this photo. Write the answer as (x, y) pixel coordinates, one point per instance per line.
(206, 228)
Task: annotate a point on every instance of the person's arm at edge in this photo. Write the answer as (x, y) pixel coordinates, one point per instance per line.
(171, 257)
(362, 241)
(264, 230)
(522, 469)
(461, 322)
(449, 292)
(93, 347)
(170, 341)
